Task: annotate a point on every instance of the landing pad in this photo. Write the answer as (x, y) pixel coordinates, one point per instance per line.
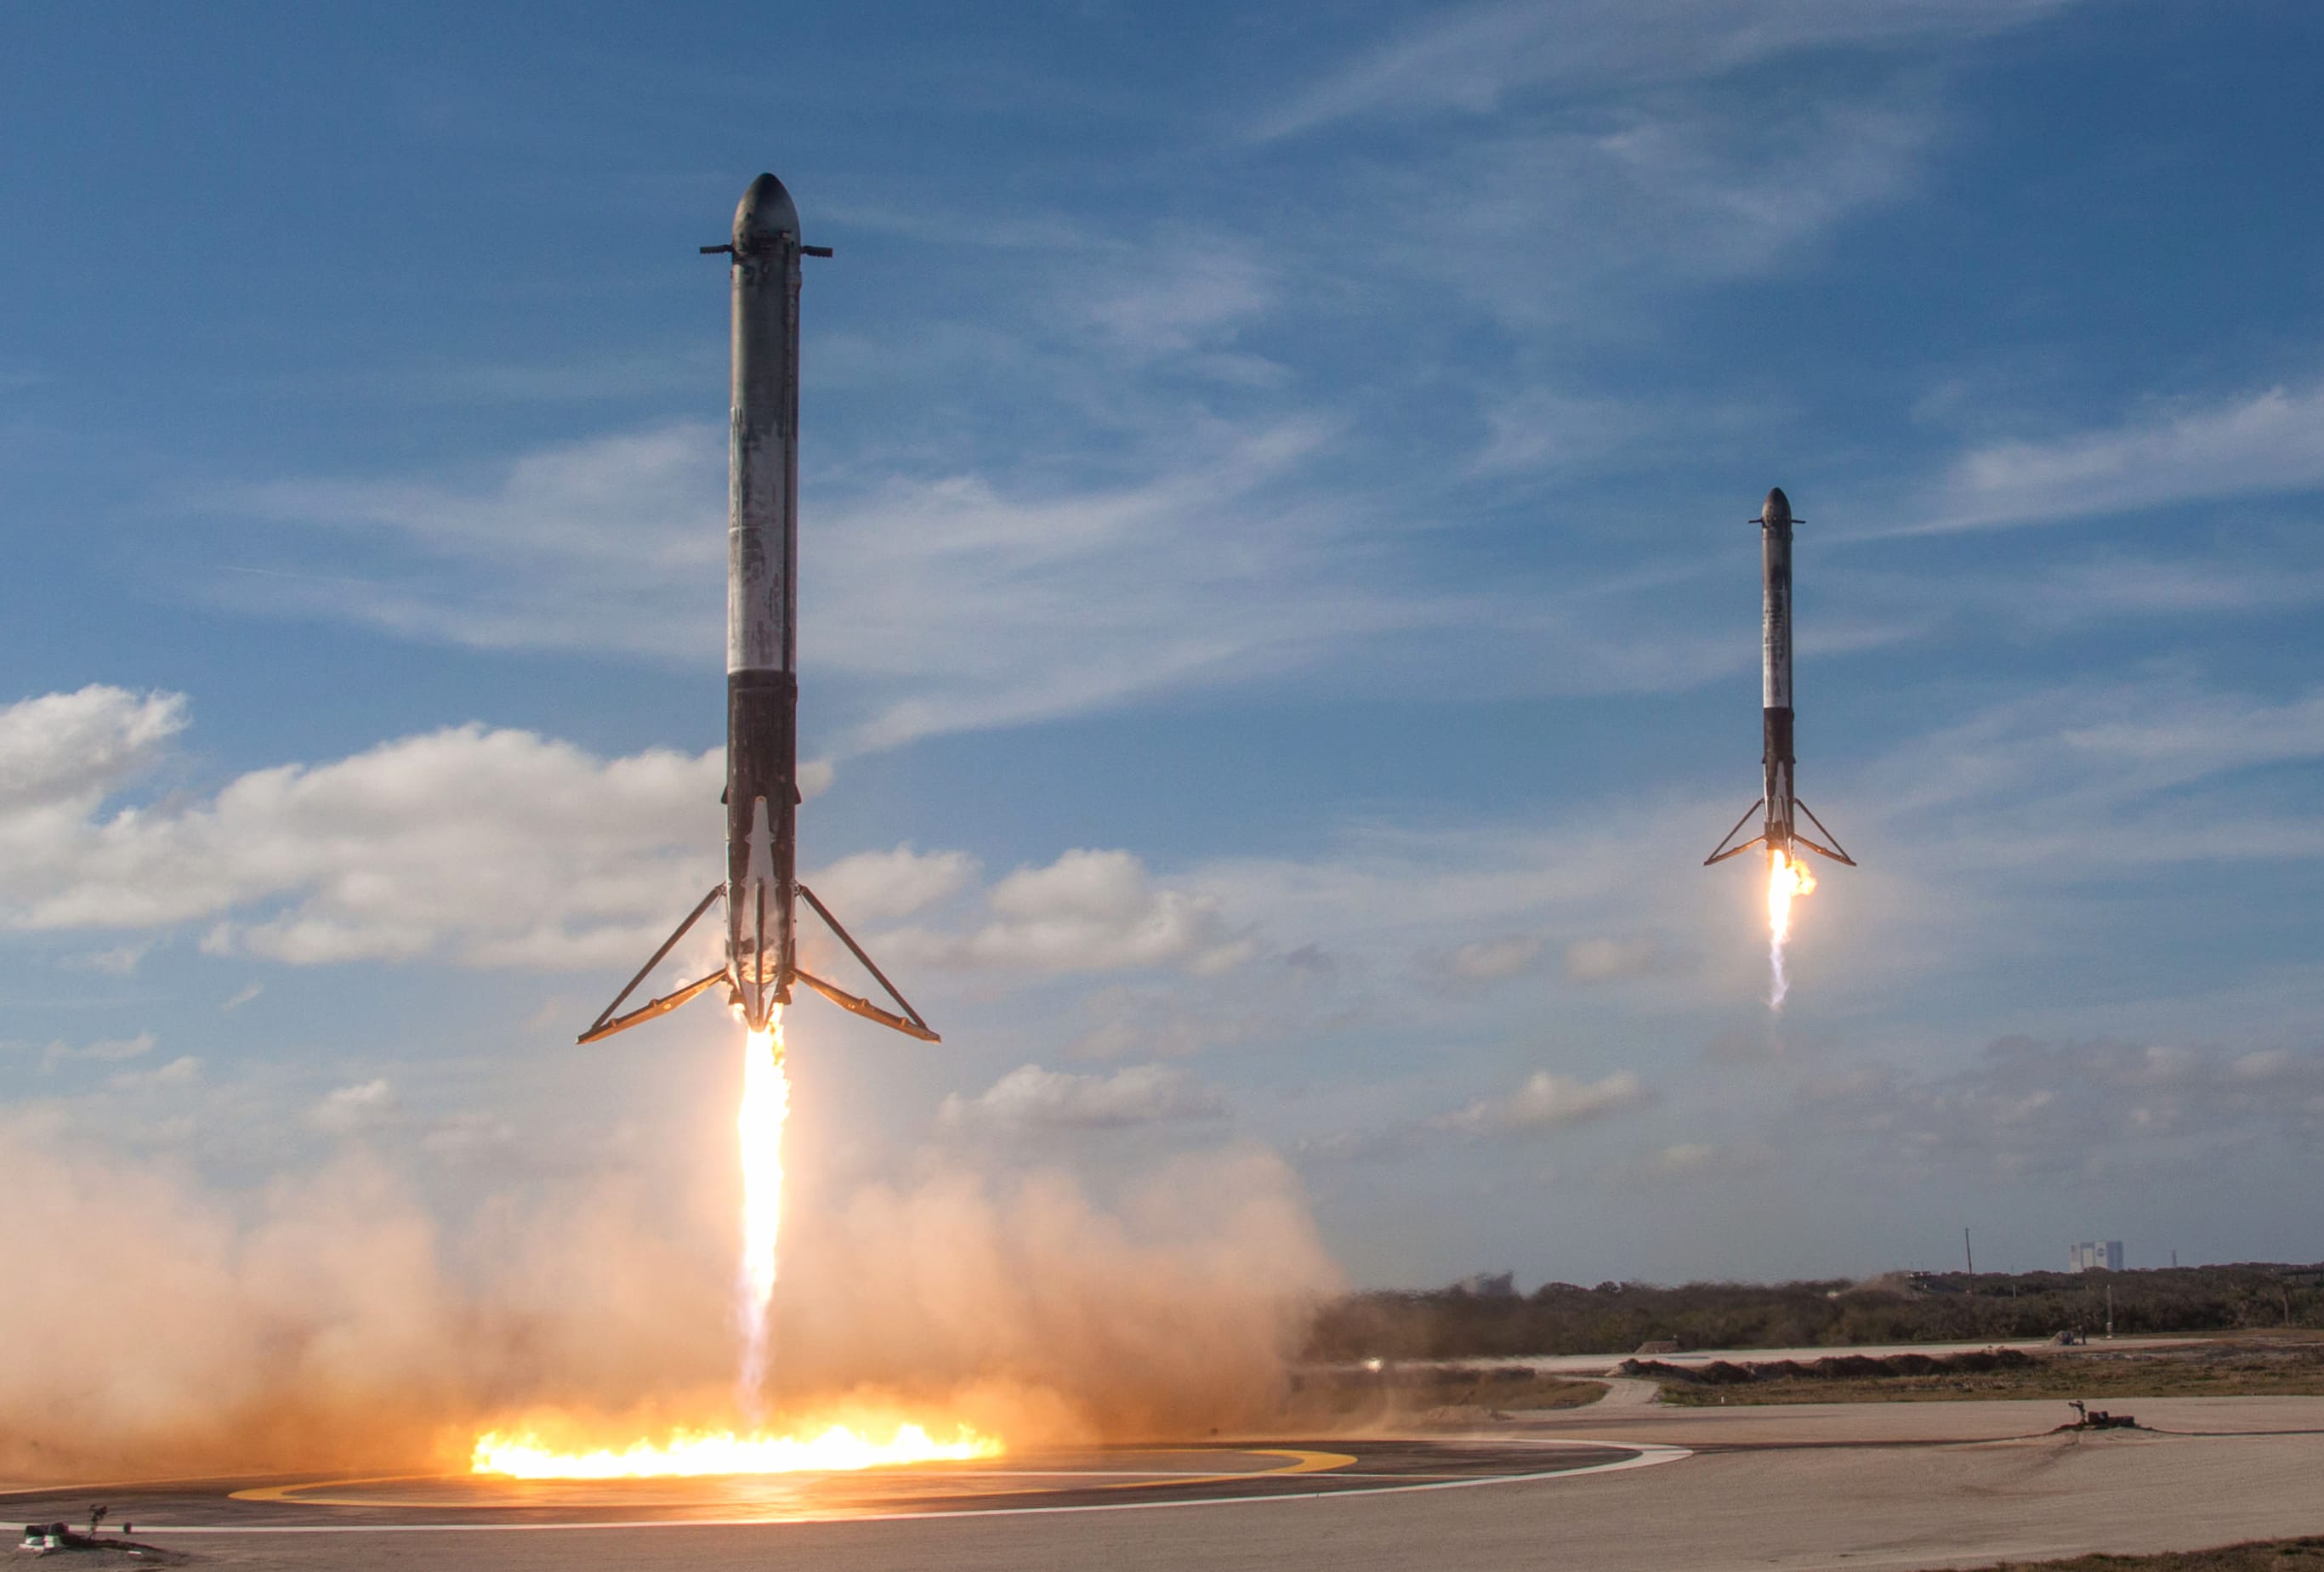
(1113, 1479)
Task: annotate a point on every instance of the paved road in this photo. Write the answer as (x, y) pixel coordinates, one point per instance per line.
(1626, 1392)
(210, 1513)
(1841, 1485)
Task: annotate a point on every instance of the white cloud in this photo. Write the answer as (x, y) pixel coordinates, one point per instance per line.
(242, 996)
(2123, 773)
(1600, 959)
(67, 751)
(2026, 1105)
(945, 598)
(505, 849)
(1546, 1102)
(1291, 996)
(1489, 960)
(1030, 1097)
(874, 885)
(353, 1108)
(1545, 429)
(2265, 1065)
(2087, 780)
(180, 1071)
(1560, 225)
(610, 543)
(2202, 578)
(103, 1050)
(1473, 60)
(960, 602)
(469, 1133)
(2174, 737)
(492, 848)
(1696, 1162)
(1088, 911)
(1191, 291)
(2258, 444)
(2115, 584)
(1378, 895)
(118, 961)
(940, 602)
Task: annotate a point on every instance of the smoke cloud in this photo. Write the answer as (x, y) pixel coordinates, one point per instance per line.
(157, 1327)
(1041, 1312)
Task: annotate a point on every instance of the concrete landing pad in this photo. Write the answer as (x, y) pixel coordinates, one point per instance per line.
(1055, 1482)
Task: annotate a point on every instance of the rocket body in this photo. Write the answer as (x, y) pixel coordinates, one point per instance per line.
(1779, 797)
(761, 890)
(1777, 758)
(763, 602)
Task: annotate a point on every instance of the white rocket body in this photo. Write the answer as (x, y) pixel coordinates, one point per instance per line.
(1779, 797)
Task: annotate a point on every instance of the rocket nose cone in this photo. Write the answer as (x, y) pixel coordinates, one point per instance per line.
(1779, 508)
(765, 212)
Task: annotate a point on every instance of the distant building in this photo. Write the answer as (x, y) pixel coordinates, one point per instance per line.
(1488, 1285)
(2098, 1256)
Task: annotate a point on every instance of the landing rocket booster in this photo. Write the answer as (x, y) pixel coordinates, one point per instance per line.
(1779, 830)
(761, 888)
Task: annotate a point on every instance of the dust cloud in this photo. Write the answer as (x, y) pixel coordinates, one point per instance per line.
(153, 1327)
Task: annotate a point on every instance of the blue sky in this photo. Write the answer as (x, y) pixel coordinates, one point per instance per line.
(1280, 620)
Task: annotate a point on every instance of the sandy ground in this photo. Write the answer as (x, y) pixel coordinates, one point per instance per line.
(1829, 1487)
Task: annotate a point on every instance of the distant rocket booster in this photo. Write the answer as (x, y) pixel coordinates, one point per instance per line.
(1779, 830)
(762, 792)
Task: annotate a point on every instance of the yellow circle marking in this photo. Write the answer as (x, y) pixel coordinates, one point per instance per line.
(289, 1492)
(295, 1494)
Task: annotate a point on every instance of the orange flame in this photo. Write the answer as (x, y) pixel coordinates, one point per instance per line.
(766, 1108)
(707, 1452)
(1786, 880)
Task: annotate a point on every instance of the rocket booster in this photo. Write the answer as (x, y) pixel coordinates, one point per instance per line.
(761, 888)
(1775, 665)
(1779, 797)
(762, 601)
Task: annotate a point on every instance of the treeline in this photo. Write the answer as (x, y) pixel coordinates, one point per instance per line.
(1833, 1367)
(1617, 1318)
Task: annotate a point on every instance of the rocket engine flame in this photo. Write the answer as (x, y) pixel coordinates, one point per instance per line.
(1786, 880)
(766, 1109)
(766, 1106)
(693, 1453)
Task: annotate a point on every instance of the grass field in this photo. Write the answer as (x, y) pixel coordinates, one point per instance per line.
(1422, 1392)
(2240, 1367)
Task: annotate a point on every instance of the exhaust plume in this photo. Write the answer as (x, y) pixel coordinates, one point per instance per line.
(328, 1322)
